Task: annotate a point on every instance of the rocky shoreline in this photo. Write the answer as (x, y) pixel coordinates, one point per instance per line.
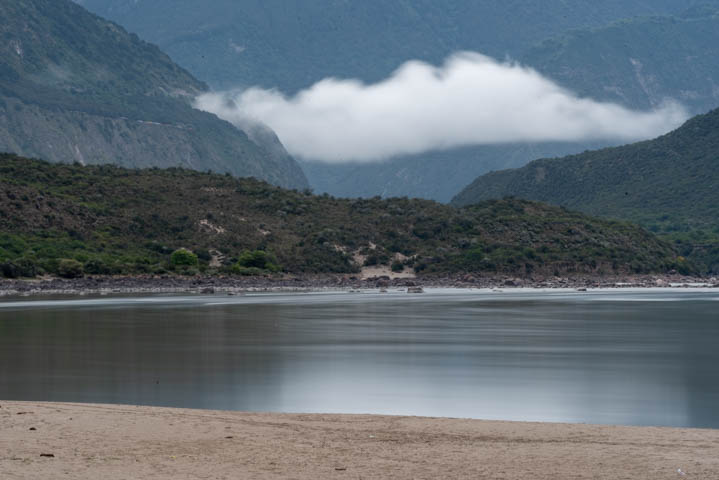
(166, 284)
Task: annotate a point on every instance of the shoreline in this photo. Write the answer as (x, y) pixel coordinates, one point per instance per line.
(88, 441)
(149, 285)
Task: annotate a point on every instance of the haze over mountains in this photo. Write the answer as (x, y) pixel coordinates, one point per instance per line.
(471, 99)
(77, 88)
(292, 45)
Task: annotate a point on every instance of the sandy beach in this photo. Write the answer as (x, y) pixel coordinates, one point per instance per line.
(80, 441)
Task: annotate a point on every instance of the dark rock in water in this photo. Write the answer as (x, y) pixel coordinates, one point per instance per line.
(415, 290)
(510, 283)
(47, 455)
(208, 290)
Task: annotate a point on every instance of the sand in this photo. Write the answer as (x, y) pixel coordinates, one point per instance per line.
(126, 442)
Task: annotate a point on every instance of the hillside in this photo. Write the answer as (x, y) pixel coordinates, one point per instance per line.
(74, 87)
(106, 219)
(670, 184)
(620, 62)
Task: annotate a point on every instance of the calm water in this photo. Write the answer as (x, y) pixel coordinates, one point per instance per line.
(648, 358)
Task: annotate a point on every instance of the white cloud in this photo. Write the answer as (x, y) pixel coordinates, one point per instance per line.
(470, 100)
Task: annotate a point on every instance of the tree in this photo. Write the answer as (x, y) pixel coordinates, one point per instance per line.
(258, 259)
(69, 268)
(183, 258)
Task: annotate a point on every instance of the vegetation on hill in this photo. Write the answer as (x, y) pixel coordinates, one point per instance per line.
(75, 87)
(68, 219)
(670, 185)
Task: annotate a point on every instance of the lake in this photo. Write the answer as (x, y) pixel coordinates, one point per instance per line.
(612, 357)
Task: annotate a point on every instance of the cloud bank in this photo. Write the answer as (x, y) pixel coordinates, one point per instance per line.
(470, 100)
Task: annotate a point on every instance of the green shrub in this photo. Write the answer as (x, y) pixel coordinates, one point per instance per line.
(376, 258)
(247, 271)
(97, 267)
(22, 267)
(183, 258)
(204, 255)
(258, 259)
(12, 244)
(28, 267)
(69, 268)
(684, 267)
(397, 266)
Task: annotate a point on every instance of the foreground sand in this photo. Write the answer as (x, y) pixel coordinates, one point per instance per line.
(124, 442)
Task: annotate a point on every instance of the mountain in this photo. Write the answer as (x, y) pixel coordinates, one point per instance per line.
(291, 44)
(670, 184)
(75, 87)
(617, 63)
(435, 175)
(639, 62)
(66, 219)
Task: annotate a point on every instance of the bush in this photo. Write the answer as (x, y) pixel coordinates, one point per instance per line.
(204, 255)
(376, 258)
(247, 271)
(69, 268)
(21, 267)
(684, 267)
(97, 267)
(183, 258)
(258, 259)
(397, 266)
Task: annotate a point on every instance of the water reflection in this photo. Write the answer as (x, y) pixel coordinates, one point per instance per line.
(630, 358)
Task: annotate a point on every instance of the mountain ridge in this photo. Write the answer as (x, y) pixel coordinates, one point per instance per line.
(75, 87)
(312, 39)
